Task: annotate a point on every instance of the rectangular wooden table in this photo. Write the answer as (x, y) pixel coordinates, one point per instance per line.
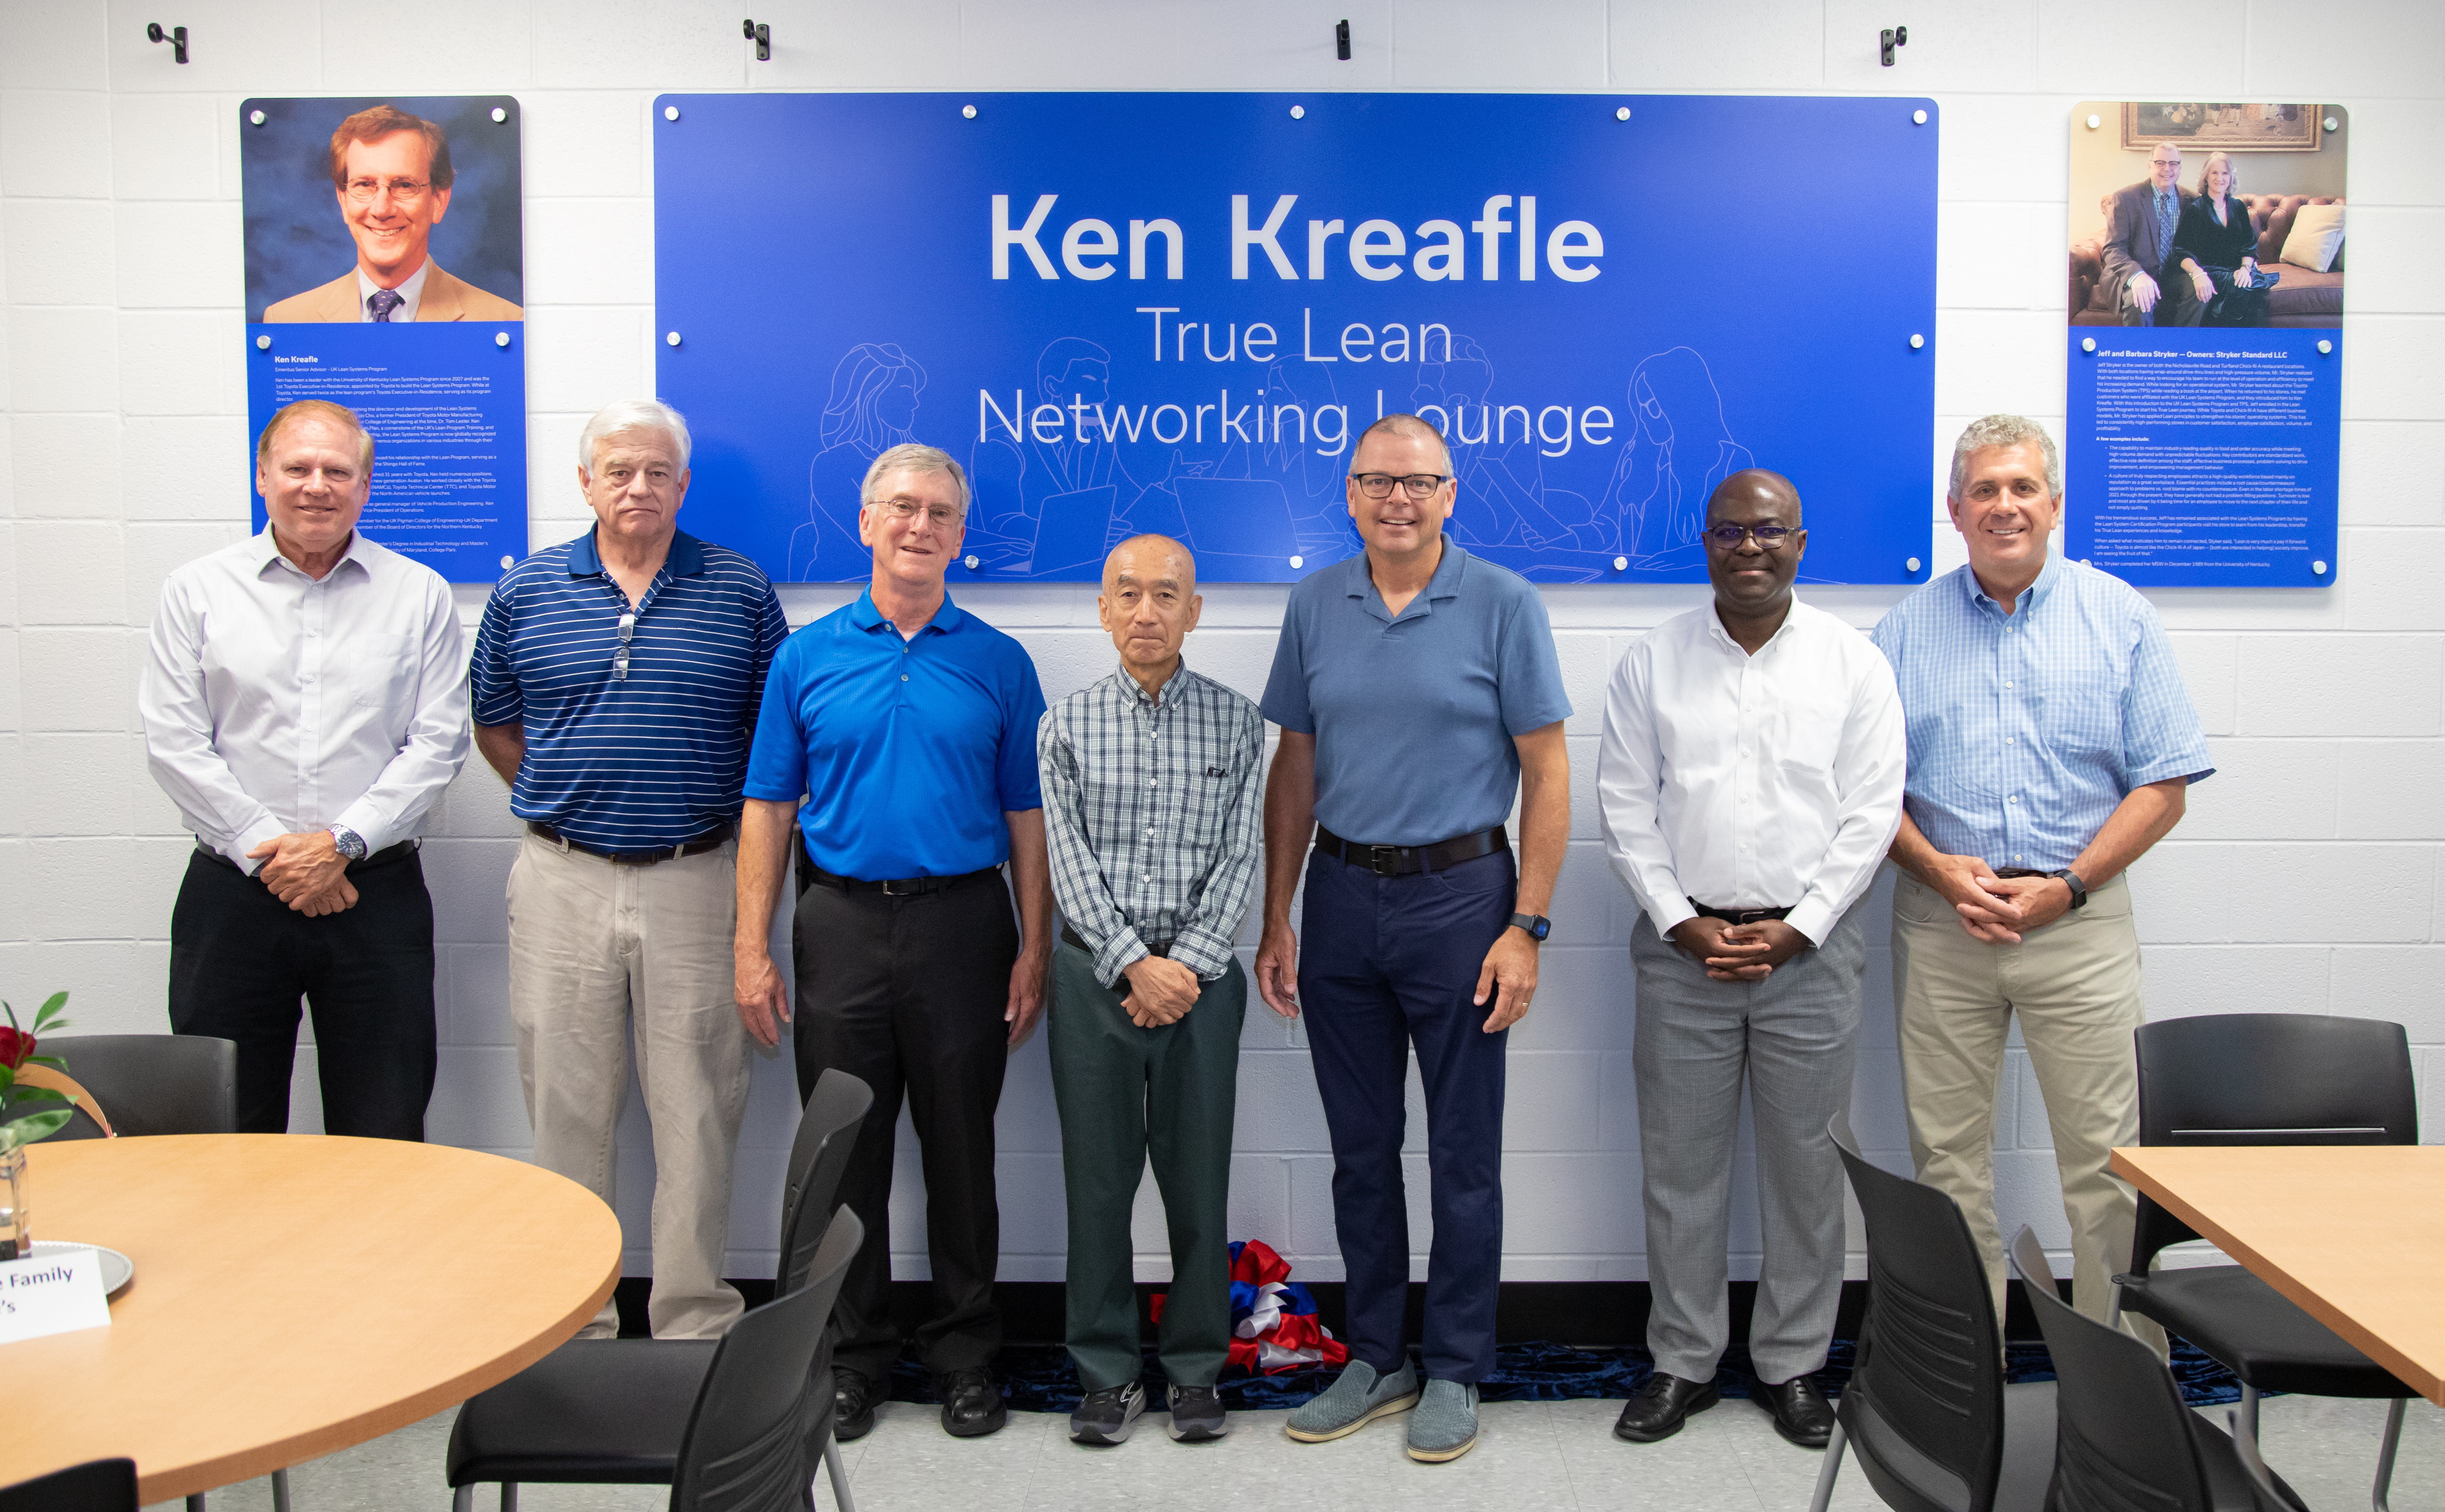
(2354, 1234)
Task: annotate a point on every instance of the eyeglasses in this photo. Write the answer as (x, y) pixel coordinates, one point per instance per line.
(1417, 485)
(908, 508)
(627, 633)
(1728, 536)
(405, 191)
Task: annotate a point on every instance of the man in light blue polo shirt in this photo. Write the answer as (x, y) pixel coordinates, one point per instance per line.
(908, 726)
(615, 683)
(2051, 743)
(1418, 693)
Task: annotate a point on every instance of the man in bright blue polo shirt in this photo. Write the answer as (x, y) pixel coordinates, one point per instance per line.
(615, 686)
(2051, 743)
(909, 728)
(1418, 693)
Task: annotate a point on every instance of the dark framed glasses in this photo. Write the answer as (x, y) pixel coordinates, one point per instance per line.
(1769, 538)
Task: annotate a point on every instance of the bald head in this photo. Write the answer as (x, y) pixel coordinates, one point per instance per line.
(1755, 485)
(1148, 606)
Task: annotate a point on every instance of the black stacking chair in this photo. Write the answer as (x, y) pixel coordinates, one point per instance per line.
(2123, 1436)
(151, 1084)
(734, 1441)
(97, 1485)
(2267, 1079)
(1927, 1410)
(610, 1411)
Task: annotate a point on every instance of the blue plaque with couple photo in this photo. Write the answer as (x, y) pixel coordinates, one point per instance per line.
(1175, 312)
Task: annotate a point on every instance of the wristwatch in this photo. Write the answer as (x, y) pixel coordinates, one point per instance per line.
(1537, 925)
(2078, 889)
(351, 844)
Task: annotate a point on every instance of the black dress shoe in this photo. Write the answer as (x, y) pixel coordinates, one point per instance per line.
(1799, 1410)
(1661, 1407)
(852, 1404)
(972, 1403)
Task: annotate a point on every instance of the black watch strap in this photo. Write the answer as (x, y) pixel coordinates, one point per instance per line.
(2078, 889)
(1536, 925)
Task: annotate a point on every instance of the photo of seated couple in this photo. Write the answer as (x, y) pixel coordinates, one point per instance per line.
(2207, 215)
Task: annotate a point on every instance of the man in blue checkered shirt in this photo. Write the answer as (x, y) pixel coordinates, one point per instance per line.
(1151, 812)
(2051, 742)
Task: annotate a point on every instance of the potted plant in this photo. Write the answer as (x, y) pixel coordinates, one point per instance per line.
(19, 1128)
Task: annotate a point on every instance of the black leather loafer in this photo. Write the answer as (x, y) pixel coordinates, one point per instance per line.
(852, 1404)
(1799, 1410)
(1661, 1407)
(972, 1403)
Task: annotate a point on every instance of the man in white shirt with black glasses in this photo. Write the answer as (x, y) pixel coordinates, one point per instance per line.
(305, 703)
(1750, 781)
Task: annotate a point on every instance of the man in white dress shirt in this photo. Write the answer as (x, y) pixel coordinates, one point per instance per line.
(305, 703)
(1749, 780)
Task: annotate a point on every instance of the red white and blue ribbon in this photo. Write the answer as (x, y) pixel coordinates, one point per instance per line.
(1274, 1326)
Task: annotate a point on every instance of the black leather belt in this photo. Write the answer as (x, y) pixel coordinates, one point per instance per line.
(1737, 916)
(711, 840)
(383, 857)
(1401, 861)
(897, 887)
(1069, 937)
(2020, 872)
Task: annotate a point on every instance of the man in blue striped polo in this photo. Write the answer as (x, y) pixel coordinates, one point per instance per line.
(615, 687)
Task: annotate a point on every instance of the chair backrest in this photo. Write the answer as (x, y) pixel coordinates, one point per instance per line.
(2123, 1438)
(97, 1485)
(156, 1084)
(2268, 1079)
(1925, 1404)
(745, 1447)
(828, 1128)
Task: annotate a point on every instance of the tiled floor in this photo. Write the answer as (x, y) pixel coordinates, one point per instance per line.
(1530, 1456)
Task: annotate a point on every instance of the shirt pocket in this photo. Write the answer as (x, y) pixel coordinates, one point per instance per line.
(2082, 720)
(1807, 734)
(1204, 794)
(379, 673)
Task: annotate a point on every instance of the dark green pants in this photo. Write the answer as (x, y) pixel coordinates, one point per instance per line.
(1128, 1094)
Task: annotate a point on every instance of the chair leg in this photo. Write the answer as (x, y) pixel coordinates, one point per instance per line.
(280, 1491)
(462, 1499)
(2386, 1454)
(195, 1503)
(1825, 1474)
(509, 1495)
(2249, 1413)
(2245, 1440)
(846, 1503)
(2114, 1307)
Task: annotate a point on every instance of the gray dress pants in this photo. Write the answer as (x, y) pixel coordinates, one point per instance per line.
(1792, 1037)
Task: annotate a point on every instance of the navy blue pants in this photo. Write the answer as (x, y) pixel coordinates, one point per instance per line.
(1386, 962)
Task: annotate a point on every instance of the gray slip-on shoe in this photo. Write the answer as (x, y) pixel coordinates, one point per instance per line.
(1445, 1424)
(1357, 1397)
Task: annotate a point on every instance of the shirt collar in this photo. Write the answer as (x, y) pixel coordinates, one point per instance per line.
(1444, 585)
(685, 559)
(1130, 689)
(1722, 637)
(411, 293)
(267, 551)
(2035, 593)
(866, 616)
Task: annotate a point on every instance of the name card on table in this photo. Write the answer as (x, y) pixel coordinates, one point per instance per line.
(57, 1293)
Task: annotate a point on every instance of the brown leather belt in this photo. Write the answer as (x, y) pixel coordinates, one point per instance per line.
(1401, 861)
(1737, 916)
(711, 840)
(2020, 872)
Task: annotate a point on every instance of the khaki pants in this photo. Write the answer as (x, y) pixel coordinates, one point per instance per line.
(2075, 986)
(603, 958)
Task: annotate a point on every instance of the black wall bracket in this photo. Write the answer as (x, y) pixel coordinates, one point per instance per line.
(176, 37)
(1897, 37)
(1341, 40)
(759, 33)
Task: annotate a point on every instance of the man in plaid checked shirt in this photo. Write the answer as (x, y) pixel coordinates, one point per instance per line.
(1151, 814)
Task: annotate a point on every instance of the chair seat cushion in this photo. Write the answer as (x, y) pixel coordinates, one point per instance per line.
(2257, 1333)
(593, 1410)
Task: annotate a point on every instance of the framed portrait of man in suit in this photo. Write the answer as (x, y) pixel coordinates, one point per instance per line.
(383, 211)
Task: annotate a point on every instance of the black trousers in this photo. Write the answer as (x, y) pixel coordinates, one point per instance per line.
(240, 958)
(907, 995)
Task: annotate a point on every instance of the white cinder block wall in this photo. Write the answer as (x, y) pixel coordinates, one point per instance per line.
(2305, 878)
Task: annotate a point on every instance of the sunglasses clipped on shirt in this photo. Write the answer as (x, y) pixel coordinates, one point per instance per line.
(627, 633)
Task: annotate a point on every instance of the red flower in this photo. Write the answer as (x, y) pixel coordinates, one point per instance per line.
(16, 1047)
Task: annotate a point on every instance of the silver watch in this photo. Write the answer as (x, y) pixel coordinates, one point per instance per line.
(350, 844)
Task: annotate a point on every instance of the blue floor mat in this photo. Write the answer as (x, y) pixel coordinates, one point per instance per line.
(1038, 1378)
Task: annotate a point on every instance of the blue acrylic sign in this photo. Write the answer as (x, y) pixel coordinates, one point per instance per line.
(2204, 457)
(446, 406)
(1175, 311)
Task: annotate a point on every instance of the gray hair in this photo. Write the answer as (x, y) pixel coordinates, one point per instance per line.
(2005, 430)
(621, 415)
(1403, 425)
(916, 458)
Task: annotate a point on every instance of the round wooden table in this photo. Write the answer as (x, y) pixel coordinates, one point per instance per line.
(294, 1295)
